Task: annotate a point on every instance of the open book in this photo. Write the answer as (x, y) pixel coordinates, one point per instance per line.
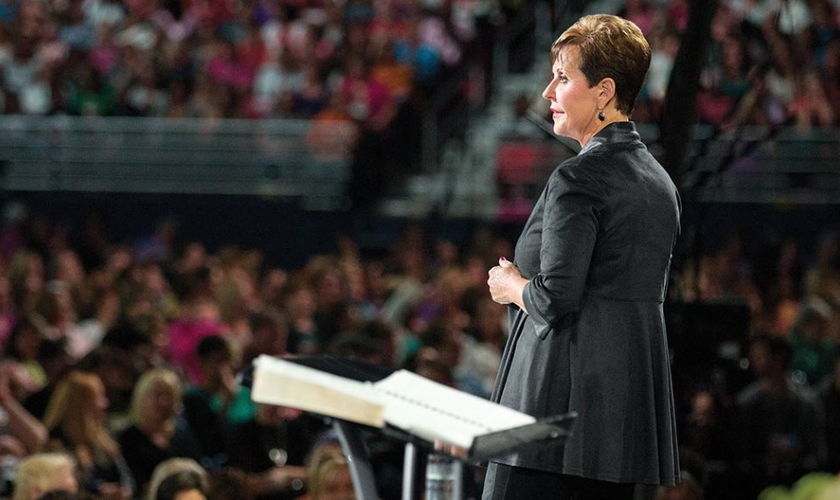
(409, 402)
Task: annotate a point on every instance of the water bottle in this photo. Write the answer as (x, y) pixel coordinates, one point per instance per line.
(439, 477)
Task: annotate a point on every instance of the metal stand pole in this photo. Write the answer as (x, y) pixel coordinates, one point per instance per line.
(364, 481)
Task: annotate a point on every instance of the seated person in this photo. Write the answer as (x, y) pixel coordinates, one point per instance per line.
(75, 419)
(215, 407)
(157, 431)
(273, 446)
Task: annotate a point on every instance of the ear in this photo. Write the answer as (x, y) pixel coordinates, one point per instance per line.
(606, 90)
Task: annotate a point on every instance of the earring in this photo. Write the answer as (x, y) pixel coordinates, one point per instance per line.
(601, 115)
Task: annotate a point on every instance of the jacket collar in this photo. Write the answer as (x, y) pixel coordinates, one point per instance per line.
(616, 132)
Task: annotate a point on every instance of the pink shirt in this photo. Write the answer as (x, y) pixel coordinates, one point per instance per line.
(184, 337)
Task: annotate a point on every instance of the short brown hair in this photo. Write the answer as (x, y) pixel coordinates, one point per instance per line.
(610, 47)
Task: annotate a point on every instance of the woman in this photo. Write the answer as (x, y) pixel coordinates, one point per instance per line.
(157, 432)
(75, 418)
(586, 288)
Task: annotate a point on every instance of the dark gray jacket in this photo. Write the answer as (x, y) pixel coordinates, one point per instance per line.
(597, 249)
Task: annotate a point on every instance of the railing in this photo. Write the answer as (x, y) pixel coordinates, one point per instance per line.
(754, 164)
(440, 116)
(307, 161)
(761, 164)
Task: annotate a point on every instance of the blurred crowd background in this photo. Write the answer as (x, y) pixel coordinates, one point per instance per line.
(121, 349)
(770, 61)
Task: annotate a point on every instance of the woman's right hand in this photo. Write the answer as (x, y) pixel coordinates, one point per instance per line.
(506, 283)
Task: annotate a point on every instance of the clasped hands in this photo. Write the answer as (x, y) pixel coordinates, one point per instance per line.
(506, 283)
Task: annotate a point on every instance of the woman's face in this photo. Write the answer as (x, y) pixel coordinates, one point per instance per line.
(574, 104)
(161, 402)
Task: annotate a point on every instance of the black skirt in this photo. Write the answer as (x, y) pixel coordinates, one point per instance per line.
(504, 482)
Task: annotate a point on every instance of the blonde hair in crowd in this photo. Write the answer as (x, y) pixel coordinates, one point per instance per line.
(148, 381)
(40, 473)
(324, 465)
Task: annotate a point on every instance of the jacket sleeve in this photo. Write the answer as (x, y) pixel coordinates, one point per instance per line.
(570, 227)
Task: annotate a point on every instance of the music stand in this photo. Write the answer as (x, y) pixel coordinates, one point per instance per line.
(551, 431)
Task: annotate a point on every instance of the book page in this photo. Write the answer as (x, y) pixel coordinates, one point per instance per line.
(434, 411)
(284, 383)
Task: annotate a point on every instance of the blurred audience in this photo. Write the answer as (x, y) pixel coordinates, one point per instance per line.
(768, 63)
(86, 321)
(367, 67)
(199, 317)
(168, 377)
(778, 426)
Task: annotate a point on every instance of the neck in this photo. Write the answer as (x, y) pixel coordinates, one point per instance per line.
(607, 121)
(612, 115)
(609, 118)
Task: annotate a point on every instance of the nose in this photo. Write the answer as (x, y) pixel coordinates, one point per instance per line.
(548, 93)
